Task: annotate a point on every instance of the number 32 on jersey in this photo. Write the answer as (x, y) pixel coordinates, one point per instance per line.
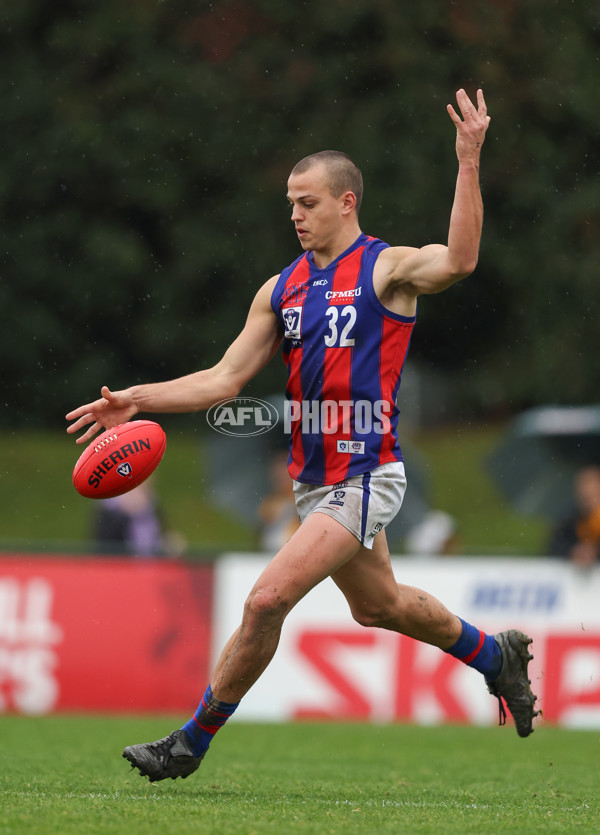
(341, 323)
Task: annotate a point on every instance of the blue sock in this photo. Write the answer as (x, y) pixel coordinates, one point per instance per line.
(478, 650)
(206, 721)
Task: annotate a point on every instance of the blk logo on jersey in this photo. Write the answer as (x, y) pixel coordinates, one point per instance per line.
(292, 317)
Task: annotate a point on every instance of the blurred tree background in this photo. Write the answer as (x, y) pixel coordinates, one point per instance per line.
(146, 148)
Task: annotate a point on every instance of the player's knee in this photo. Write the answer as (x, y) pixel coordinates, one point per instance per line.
(266, 605)
(380, 614)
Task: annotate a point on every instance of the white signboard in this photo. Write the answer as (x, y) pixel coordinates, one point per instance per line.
(328, 666)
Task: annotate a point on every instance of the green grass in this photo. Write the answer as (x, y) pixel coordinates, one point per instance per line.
(39, 507)
(461, 486)
(65, 775)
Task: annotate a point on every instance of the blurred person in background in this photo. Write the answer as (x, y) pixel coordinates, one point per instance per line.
(577, 538)
(277, 514)
(133, 524)
(435, 535)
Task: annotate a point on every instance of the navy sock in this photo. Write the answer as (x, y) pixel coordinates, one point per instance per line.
(478, 650)
(206, 721)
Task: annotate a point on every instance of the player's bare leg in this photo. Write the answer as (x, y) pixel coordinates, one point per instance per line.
(318, 548)
(375, 599)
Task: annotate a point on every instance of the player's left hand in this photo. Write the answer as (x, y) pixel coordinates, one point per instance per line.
(471, 129)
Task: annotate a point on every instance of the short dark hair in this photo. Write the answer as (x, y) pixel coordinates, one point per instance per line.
(342, 173)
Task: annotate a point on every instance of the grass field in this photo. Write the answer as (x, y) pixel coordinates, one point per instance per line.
(39, 509)
(66, 775)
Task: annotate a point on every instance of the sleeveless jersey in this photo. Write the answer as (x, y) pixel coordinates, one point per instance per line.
(345, 352)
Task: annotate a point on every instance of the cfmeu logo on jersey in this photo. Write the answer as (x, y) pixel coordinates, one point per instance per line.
(242, 416)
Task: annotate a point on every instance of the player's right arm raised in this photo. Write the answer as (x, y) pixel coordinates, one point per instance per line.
(434, 267)
(244, 358)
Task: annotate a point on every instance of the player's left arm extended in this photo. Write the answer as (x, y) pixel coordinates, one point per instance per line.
(435, 267)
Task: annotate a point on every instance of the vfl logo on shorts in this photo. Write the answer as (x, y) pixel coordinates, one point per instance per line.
(351, 447)
(292, 317)
(338, 498)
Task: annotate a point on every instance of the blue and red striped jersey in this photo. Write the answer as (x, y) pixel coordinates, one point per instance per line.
(345, 352)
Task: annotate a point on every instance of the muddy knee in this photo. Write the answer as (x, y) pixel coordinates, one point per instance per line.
(378, 615)
(265, 607)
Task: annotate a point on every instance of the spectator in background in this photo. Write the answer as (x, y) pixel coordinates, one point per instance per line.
(577, 538)
(277, 514)
(133, 524)
(435, 534)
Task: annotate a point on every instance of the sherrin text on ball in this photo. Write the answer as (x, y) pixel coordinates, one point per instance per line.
(119, 459)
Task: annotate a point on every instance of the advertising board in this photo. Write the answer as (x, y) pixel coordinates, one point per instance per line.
(103, 634)
(328, 666)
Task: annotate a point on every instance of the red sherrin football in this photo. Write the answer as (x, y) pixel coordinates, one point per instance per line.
(119, 459)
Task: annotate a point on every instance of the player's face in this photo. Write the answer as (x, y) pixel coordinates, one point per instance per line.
(316, 213)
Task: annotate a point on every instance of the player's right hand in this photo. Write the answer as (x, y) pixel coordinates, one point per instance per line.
(471, 129)
(113, 408)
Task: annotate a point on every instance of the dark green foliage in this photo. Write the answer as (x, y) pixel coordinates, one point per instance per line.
(146, 148)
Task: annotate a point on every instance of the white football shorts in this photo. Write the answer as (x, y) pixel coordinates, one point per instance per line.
(364, 504)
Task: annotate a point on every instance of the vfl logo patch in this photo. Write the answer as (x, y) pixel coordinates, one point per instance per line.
(292, 317)
(351, 447)
(338, 498)
(125, 469)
